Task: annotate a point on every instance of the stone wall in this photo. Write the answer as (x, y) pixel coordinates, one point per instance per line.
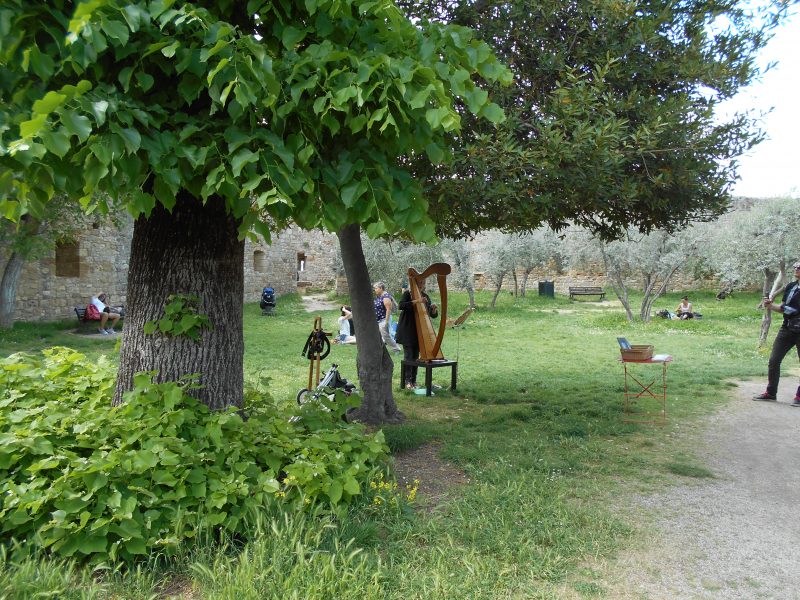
(69, 276)
(297, 260)
(562, 281)
(97, 261)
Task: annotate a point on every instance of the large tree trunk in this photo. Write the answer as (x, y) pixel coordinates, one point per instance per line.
(373, 362)
(29, 227)
(8, 289)
(194, 250)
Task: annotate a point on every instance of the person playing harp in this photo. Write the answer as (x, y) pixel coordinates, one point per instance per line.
(407, 328)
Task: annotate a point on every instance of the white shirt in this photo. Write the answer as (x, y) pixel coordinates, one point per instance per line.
(100, 306)
(344, 326)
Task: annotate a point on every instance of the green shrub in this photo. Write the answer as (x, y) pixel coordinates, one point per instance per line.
(80, 477)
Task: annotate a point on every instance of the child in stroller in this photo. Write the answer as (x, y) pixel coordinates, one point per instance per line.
(268, 302)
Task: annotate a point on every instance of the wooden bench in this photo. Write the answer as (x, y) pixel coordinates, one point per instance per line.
(586, 291)
(86, 325)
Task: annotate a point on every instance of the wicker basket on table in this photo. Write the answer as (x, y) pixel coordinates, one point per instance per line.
(637, 352)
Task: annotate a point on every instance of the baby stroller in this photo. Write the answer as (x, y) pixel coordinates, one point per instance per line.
(268, 302)
(332, 380)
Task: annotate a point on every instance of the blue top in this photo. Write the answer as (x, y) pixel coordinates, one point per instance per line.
(380, 308)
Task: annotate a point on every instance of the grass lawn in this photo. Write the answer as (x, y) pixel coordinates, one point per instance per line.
(535, 429)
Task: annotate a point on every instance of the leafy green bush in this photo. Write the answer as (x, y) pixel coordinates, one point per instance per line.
(78, 476)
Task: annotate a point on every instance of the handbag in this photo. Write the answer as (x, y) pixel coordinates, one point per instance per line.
(92, 314)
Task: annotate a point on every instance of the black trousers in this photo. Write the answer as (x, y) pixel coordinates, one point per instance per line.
(784, 341)
(410, 352)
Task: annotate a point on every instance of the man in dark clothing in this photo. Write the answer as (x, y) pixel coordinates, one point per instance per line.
(786, 338)
(407, 329)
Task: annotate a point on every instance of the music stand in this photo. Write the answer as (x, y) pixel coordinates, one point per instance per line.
(463, 317)
(457, 326)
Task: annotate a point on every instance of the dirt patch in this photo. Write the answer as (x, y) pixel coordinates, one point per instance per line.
(177, 588)
(421, 411)
(318, 303)
(436, 477)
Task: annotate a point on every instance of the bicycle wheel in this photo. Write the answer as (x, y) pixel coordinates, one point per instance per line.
(302, 396)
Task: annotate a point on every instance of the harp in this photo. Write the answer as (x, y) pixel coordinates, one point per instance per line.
(430, 341)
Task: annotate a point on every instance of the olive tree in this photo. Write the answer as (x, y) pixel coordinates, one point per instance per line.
(755, 244)
(537, 250)
(651, 260)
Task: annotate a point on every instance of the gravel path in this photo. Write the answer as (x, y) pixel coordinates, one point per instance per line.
(317, 303)
(737, 535)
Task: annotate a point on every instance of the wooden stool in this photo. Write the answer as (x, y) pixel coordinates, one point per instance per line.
(429, 366)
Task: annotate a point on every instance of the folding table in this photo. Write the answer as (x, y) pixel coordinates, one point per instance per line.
(635, 390)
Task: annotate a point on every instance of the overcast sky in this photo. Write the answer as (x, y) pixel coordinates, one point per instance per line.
(773, 167)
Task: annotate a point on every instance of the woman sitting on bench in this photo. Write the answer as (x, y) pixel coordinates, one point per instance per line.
(97, 310)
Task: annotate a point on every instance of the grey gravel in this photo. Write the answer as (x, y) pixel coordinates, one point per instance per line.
(736, 535)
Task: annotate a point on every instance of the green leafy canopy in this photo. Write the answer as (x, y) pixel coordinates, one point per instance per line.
(282, 110)
(611, 117)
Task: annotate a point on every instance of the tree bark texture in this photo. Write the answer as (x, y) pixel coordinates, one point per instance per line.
(650, 296)
(11, 275)
(374, 365)
(8, 289)
(618, 285)
(497, 289)
(772, 287)
(194, 250)
(524, 287)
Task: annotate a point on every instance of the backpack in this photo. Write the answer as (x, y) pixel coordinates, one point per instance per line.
(92, 314)
(267, 298)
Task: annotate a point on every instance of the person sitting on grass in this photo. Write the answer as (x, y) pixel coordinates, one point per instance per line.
(684, 310)
(99, 311)
(344, 336)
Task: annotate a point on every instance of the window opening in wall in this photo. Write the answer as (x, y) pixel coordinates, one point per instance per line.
(259, 261)
(301, 264)
(68, 259)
